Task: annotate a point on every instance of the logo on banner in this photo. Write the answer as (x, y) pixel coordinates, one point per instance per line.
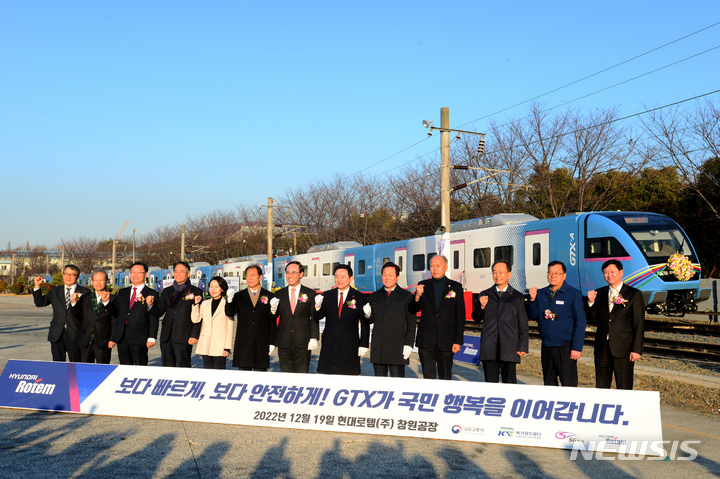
(31, 384)
(456, 429)
(506, 431)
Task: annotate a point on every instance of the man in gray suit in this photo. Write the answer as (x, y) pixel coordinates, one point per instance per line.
(63, 333)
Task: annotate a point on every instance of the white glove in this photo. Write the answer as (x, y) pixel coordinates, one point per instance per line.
(272, 348)
(318, 301)
(274, 305)
(367, 310)
(231, 295)
(362, 351)
(312, 344)
(407, 350)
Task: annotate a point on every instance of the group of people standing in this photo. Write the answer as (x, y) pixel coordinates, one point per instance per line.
(561, 313)
(87, 325)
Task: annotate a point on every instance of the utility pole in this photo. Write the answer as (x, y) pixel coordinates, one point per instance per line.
(270, 204)
(12, 270)
(62, 259)
(445, 174)
(182, 244)
(134, 231)
(445, 188)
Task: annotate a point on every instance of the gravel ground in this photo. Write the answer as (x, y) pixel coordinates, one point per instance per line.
(672, 393)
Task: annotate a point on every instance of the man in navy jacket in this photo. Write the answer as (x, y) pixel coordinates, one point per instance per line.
(559, 312)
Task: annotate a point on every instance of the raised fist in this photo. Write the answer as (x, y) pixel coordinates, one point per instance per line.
(533, 293)
(274, 305)
(592, 296)
(149, 301)
(419, 291)
(198, 298)
(483, 301)
(318, 301)
(367, 309)
(38, 281)
(104, 296)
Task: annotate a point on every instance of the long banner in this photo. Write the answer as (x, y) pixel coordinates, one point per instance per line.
(455, 410)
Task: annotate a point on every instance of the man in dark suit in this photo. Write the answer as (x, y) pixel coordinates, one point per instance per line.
(179, 333)
(137, 321)
(342, 308)
(64, 327)
(442, 321)
(505, 331)
(297, 330)
(394, 332)
(619, 312)
(96, 322)
(256, 326)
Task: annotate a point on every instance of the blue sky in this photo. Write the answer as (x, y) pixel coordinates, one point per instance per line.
(150, 111)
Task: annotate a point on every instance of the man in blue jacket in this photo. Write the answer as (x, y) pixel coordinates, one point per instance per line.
(559, 312)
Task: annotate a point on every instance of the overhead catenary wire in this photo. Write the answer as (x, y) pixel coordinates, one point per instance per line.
(558, 89)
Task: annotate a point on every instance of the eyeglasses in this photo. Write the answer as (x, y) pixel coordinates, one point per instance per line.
(555, 275)
(292, 272)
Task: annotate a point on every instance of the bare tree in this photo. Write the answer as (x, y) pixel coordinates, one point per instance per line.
(687, 140)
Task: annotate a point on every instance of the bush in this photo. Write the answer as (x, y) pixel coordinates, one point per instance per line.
(45, 288)
(57, 279)
(17, 288)
(3, 286)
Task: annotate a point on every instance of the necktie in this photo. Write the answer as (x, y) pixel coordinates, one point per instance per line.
(132, 298)
(340, 305)
(292, 300)
(67, 297)
(390, 291)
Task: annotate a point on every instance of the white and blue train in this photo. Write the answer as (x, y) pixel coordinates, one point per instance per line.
(583, 241)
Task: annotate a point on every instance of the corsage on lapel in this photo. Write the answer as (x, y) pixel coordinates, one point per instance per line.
(451, 294)
(303, 298)
(351, 304)
(264, 299)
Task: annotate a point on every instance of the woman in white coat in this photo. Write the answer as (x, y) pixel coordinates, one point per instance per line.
(216, 333)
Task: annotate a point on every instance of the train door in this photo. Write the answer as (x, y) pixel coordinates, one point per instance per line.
(315, 273)
(401, 260)
(537, 256)
(457, 261)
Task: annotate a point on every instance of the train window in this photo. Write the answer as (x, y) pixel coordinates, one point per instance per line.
(326, 269)
(400, 263)
(335, 265)
(536, 254)
(315, 269)
(456, 259)
(418, 262)
(361, 267)
(481, 258)
(225, 275)
(604, 248)
(430, 256)
(504, 253)
(305, 270)
(386, 260)
(279, 273)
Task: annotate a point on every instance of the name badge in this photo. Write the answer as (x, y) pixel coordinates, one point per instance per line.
(559, 302)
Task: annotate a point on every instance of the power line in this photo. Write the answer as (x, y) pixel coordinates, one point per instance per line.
(553, 91)
(595, 125)
(594, 74)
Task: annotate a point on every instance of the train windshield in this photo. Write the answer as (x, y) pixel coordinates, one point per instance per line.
(658, 237)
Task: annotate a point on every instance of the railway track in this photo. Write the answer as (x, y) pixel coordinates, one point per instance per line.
(666, 348)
